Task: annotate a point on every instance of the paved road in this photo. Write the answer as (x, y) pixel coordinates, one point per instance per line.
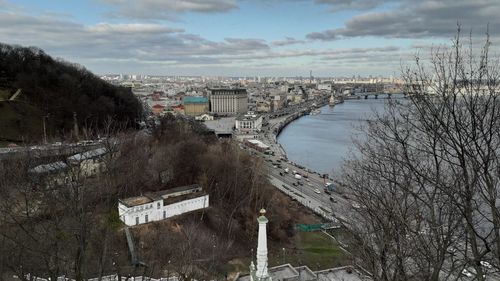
(305, 190)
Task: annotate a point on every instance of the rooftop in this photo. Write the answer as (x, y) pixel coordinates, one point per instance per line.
(248, 117)
(303, 273)
(161, 195)
(87, 155)
(228, 91)
(136, 201)
(188, 99)
(48, 168)
(257, 143)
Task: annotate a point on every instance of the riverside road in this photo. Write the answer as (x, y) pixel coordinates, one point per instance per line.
(309, 190)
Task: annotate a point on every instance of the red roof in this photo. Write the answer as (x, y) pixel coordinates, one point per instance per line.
(158, 106)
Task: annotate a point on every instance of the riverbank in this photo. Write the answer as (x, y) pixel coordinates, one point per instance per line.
(323, 142)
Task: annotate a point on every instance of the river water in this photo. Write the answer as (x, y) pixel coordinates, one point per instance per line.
(321, 142)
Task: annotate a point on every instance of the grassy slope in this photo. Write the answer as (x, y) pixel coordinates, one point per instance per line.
(314, 249)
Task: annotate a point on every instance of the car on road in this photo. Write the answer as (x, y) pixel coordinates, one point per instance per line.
(317, 191)
(333, 200)
(281, 173)
(486, 264)
(467, 273)
(294, 184)
(355, 205)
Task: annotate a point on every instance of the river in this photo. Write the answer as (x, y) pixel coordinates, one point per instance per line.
(321, 142)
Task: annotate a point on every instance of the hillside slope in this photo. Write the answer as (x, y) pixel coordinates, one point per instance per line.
(57, 90)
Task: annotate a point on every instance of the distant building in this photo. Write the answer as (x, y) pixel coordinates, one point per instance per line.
(194, 106)
(156, 206)
(204, 117)
(157, 109)
(257, 145)
(157, 95)
(248, 123)
(325, 87)
(179, 96)
(90, 162)
(228, 101)
(178, 109)
(263, 106)
(279, 101)
(86, 164)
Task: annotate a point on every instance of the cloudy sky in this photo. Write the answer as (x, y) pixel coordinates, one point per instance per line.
(243, 37)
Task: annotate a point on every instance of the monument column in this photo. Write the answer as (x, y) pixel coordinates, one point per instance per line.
(261, 272)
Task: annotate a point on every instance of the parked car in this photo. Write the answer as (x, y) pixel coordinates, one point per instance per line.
(486, 264)
(467, 273)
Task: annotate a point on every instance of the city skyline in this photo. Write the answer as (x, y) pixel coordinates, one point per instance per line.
(242, 38)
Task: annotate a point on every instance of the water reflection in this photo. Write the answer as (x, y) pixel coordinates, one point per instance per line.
(322, 141)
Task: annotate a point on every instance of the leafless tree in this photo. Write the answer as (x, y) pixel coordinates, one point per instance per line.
(426, 177)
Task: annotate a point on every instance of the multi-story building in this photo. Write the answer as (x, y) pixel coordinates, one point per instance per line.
(325, 87)
(161, 205)
(228, 101)
(278, 101)
(194, 106)
(248, 126)
(249, 123)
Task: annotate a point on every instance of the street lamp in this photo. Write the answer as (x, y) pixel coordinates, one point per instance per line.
(284, 257)
(168, 268)
(44, 128)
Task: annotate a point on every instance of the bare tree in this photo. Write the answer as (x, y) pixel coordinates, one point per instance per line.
(427, 174)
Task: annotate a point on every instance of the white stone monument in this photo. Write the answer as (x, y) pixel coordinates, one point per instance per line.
(261, 273)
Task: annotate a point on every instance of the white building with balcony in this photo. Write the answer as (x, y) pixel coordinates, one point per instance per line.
(156, 206)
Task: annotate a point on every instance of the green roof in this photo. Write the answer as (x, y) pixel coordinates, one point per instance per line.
(262, 219)
(188, 99)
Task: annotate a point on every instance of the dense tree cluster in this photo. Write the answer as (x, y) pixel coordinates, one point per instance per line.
(60, 89)
(72, 228)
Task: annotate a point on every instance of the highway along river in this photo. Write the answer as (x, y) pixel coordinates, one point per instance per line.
(321, 142)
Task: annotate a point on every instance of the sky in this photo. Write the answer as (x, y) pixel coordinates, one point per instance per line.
(244, 37)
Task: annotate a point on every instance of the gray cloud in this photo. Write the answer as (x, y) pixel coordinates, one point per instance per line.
(130, 42)
(328, 35)
(287, 41)
(337, 5)
(156, 48)
(166, 9)
(419, 19)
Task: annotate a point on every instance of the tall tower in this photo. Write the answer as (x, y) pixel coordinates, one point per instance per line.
(261, 273)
